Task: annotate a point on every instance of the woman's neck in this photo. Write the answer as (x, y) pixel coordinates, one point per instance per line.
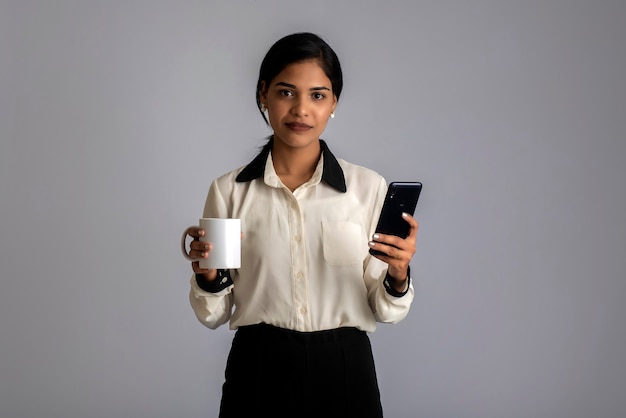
(295, 166)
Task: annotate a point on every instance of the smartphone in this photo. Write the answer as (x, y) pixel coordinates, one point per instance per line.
(401, 197)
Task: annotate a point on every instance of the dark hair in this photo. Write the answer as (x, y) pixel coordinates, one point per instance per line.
(294, 48)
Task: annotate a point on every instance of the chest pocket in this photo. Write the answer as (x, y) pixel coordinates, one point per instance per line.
(344, 243)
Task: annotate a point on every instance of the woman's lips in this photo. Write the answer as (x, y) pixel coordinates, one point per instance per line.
(298, 127)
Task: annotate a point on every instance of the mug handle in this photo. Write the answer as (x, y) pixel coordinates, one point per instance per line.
(183, 247)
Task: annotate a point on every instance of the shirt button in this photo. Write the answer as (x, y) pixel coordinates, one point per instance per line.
(303, 311)
(299, 275)
(297, 238)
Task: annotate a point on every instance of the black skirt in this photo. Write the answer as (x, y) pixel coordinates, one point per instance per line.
(282, 373)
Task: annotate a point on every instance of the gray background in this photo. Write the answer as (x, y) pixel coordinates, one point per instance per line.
(116, 115)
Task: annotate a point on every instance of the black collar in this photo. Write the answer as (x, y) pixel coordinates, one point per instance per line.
(332, 173)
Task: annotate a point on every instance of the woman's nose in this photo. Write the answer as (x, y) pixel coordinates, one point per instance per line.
(299, 107)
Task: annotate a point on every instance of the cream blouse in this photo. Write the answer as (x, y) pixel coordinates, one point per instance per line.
(305, 263)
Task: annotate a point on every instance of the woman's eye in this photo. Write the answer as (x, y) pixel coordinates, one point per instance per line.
(318, 96)
(286, 93)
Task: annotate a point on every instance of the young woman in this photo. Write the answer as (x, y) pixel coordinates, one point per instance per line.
(308, 291)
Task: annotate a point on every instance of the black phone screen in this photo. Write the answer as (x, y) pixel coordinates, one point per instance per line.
(401, 197)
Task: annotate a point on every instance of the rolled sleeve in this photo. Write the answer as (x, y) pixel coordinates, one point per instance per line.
(211, 308)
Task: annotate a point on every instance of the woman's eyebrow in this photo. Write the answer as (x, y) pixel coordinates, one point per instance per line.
(282, 83)
(291, 86)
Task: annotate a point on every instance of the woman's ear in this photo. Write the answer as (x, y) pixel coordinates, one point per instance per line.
(263, 93)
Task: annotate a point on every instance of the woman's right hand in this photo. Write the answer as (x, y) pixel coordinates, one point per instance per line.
(199, 249)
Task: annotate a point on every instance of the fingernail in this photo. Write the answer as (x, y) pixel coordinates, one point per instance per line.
(201, 232)
(204, 255)
(371, 243)
(404, 214)
(376, 236)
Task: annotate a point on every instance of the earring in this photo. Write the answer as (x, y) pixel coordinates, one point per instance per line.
(332, 115)
(263, 108)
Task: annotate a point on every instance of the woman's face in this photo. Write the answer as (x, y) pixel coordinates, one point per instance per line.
(299, 101)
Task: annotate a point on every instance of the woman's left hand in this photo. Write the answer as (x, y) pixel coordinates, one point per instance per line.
(398, 251)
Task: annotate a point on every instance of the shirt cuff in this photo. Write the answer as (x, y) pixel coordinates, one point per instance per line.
(391, 290)
(222, 281)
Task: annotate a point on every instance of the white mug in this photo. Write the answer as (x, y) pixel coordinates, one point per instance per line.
(225, 236)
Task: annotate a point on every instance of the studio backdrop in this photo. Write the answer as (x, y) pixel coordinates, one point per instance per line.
(116, 115)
